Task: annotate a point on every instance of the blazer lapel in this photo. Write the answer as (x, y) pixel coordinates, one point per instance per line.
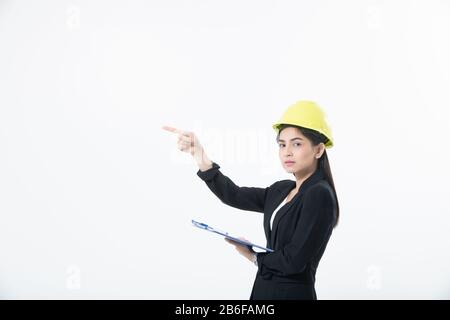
(311, 180)
(281, 194)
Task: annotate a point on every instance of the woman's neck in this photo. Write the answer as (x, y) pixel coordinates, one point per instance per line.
(300, 177)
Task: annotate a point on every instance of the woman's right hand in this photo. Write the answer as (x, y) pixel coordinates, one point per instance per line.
(188, 142)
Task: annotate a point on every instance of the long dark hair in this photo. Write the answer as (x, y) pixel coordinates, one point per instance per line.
(316, 137)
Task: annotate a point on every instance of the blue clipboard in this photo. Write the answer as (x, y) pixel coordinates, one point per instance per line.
(226, 235)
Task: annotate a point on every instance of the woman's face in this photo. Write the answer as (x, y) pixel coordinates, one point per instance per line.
(296, 152)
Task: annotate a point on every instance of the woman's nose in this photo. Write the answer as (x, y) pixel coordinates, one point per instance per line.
(288, 151)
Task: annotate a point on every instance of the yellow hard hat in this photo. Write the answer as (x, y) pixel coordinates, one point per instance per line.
(306, 114)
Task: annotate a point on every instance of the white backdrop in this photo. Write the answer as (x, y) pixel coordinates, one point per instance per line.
(96, 200)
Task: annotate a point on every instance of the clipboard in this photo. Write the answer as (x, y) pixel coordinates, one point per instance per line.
(227, 235)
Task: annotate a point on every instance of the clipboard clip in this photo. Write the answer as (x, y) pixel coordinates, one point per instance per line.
(206, 227)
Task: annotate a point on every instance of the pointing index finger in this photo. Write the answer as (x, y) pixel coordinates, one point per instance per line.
(172, 129)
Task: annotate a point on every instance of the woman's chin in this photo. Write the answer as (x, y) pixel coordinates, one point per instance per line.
(289, 169)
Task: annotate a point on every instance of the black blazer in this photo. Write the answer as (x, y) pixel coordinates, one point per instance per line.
(301, 230)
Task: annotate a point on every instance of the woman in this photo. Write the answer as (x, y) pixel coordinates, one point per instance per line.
(299, 215)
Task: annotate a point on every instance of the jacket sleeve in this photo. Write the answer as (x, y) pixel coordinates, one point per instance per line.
(244, 198)
(312, 232)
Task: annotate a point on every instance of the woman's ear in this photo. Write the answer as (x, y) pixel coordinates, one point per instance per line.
(320, 150)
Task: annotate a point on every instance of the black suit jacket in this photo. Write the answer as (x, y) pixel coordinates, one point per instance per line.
(300, 233)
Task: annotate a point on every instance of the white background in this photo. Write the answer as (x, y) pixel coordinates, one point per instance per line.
(96, 200)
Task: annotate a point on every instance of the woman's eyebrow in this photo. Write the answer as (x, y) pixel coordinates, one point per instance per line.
(291, 139)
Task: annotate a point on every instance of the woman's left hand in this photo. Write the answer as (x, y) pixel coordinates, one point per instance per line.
(246, 251)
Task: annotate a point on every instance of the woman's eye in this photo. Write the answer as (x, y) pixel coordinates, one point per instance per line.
(282, 145)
